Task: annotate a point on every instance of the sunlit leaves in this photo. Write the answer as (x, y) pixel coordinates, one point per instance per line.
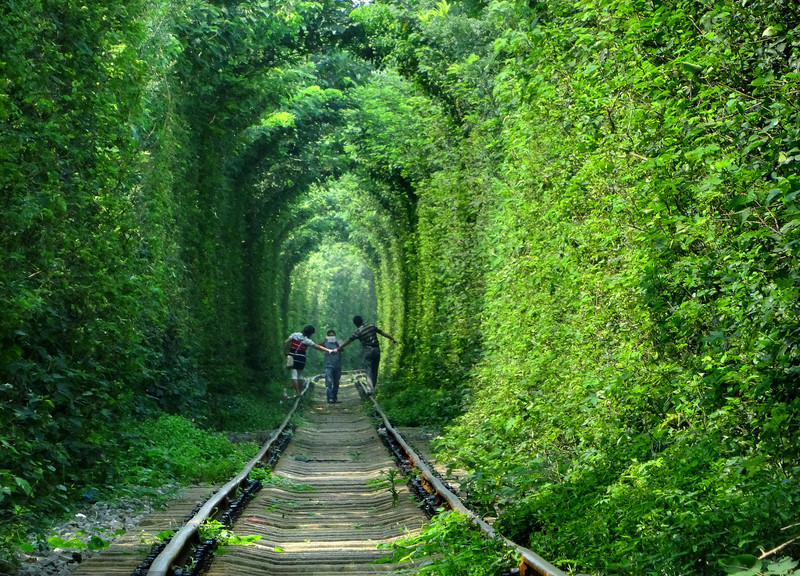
(640, 292)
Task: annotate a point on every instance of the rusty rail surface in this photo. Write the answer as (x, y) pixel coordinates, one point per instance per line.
(181, 540)
(177, 550)
(531, 564)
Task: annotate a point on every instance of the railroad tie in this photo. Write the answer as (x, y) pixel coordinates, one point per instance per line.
(329, 512)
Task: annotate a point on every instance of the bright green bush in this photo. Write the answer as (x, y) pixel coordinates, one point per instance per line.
(452, 545)
(613, 238)
(174, 449)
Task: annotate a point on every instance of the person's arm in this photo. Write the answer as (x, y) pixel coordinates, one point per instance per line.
(313, 344)
(345, 343)
(385, 335)
(286, 345)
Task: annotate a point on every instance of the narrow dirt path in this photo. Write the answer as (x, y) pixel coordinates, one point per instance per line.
(326, 517)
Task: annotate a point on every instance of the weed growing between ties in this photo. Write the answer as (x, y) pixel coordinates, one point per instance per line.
(215, 537)
(451, 545)
(268, 478)
(94, 542)
(224, 536)
(147, 541)
(82, 540)
(283, 503)
(389, 479)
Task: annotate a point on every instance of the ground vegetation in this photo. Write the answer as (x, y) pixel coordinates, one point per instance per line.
(580, 220)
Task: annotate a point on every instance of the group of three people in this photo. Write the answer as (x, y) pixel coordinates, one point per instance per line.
(296, 345)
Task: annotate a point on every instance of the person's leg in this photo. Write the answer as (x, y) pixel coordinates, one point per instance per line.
(329, 376)
(298, 383)
(372, 357)
(367, 368)
(375, 361)
(337, 376)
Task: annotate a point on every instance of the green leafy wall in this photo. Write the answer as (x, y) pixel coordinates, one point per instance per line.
(128, 241)
(78, 294)
(581, 218)
(607, 269)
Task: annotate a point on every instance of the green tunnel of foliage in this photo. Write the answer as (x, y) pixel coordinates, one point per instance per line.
(578, 217)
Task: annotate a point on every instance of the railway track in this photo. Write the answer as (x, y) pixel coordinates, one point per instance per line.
(323, 509)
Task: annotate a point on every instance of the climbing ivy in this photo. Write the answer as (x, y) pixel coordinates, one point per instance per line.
(620, 218)
(125, 225)
(580, 217)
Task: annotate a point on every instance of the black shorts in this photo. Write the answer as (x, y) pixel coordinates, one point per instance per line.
(298, 362)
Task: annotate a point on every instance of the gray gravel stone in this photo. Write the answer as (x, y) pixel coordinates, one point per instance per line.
(101, 519)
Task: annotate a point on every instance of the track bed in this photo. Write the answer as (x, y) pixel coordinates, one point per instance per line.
(326, 517)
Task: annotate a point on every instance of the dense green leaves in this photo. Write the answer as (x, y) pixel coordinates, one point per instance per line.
(631, 261)
(452, 545)
(581, 219)
(126, 235)
(75, 288)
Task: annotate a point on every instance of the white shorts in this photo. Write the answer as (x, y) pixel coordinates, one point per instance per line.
(294, 374)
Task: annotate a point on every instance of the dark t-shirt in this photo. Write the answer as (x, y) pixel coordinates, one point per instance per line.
(367, 335)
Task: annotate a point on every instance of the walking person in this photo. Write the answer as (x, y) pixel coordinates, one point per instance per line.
(367, 334)
(333, 366)
(295, 349)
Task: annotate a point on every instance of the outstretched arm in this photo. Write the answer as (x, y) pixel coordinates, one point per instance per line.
(343, 344)
(386, 335)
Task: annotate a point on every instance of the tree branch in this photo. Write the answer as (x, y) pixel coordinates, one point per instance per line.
(778, 549)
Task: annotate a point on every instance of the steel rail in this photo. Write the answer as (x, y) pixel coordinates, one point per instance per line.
(531, 564)
(163, 563)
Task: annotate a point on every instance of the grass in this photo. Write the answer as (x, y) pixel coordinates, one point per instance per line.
(151, 458)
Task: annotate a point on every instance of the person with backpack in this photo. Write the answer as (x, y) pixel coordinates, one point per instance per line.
(294, 347)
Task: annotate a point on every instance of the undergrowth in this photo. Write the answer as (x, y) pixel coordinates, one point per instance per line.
(150, 459)
(173, 449)
(419, 406)
(451, 545)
